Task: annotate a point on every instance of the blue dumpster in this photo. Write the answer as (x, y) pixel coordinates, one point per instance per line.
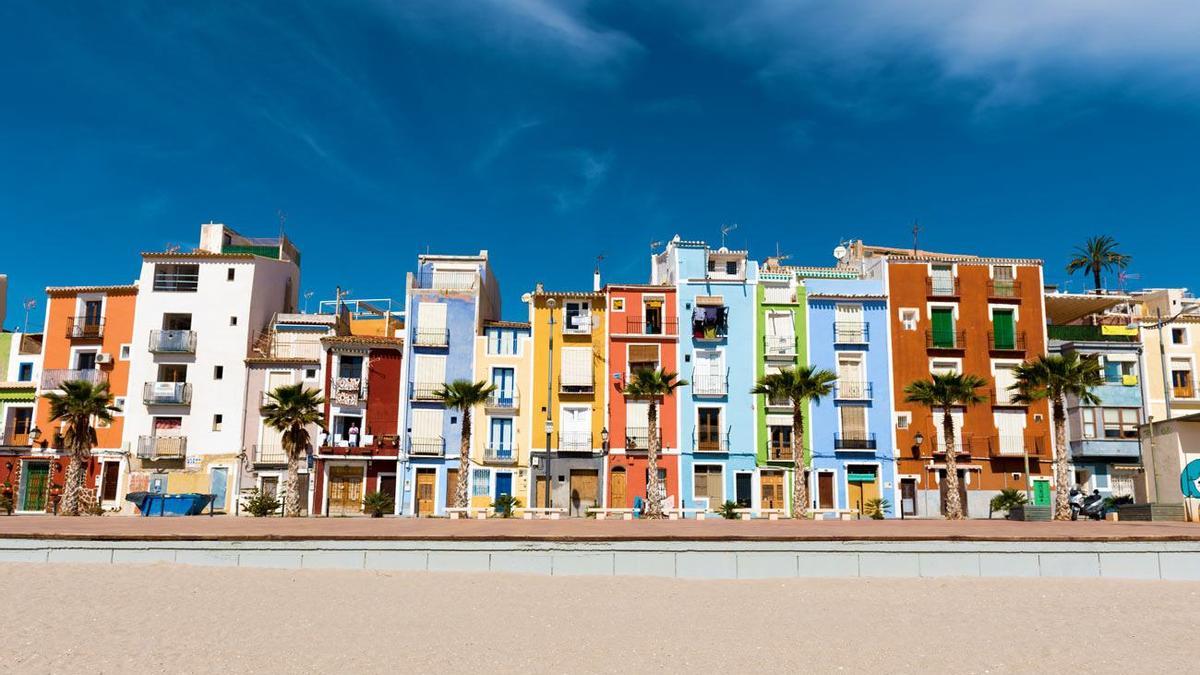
(183, 504)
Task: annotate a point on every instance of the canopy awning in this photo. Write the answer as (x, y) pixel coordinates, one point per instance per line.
(1063, 308)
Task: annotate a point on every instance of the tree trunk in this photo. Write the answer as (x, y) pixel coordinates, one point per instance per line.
(464, 449)
(953, 499)
(1096, 277)
(76, 470)
(294, 446)
(800, 473)
(653, 485)
(1062, 478)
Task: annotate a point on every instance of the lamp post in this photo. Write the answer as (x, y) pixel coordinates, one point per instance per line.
(551, 303)
(919, 440)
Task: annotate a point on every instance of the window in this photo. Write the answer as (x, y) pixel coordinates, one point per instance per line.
(643, 357)
(942, 280)
(943, 335)
(85, 360)
(119, 404)
(941, 367)
(1179, 336)
(903, 420)
(500, 437)
(1004, 332)
(852, 380)
(218, 372)
(577, 370)
(710, 318)
(781, 442)
(125, 351)
(174, 321)
(218, 419)
(909, 318)
(480, 483)
(1005, 374)
(502, 341)
(229, 274)
(577, 317)
(431, 328)
(233, 321)
(505, 382)
(310, 373)
(172, 372)
(848, 326)
(652, 313)
(777, 295)
(1181, 379)
(731, 267)
(350, 366)
(176, 278)
(708, 429)
(708, 483)
(1113, 423)
(854, 423)
(25, 372)
(618, 304)
(1118, 372)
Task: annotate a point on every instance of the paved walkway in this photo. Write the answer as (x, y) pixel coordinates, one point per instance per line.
(224, 528)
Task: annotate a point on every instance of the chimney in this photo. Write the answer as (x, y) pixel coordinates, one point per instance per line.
(596, 279)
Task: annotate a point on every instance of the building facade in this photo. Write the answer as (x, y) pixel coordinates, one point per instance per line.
(1171, 338)
(500, 433)
(20, 371)
(782, 327)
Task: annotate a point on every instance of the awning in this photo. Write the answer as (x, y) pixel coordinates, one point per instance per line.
(710, 301)
(860, 477)
(1063, 308)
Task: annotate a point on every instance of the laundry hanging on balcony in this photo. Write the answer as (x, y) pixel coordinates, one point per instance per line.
(709, 321)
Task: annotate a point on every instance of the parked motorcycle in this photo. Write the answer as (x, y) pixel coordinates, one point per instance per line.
(1091, 506)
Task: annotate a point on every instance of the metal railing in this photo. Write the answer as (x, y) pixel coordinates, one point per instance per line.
(782, 402)
(1003, 397)
(851, 332)
(504, 399)
(574, 441)
(710, 442)
(427, 446)
(431, 337)
(161, 447)
(85, 328)
(501, 453)
(854, 441)
(451, 280)
(1003, 290)
(637, 439)
(269, 345)
(709, 385)
(1014, 445)
(779, 452)
(941, 287)
(269, 454)
(173, 341)
(643, 327)
(176, 279)
(1012, 342)
(577, 387)
(853, 390)
(1071, 333)
(427, 391)
(946, 339)
(53, 378)
(779, 345)
(167, 393)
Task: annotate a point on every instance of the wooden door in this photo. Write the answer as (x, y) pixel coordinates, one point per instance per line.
(908, 496)
(825, 490)
(387, 485)
(616, 491)
(772, 489)
(426, 492)
(452, 487)
(34, 479)
(108, 481)
(539, 493)
(345, 490)
(584, 489)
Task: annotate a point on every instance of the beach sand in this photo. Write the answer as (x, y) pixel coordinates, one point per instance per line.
(176, 618)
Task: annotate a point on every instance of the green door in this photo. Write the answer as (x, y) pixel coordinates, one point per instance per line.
(1003, 331)
(943, 327)
(34, 477)
(1041, 493)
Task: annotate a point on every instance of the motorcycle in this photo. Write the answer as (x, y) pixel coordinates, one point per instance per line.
(1090, 507)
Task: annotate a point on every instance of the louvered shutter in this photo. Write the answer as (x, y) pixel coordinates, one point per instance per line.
(431, 316)
(577, 367)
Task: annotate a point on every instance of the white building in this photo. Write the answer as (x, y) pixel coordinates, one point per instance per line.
(197, 315)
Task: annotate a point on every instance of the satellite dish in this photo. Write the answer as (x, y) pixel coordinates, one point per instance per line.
(839, 252)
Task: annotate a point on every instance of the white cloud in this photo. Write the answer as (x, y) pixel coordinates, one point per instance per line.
(996, 52)
(589, 171)
(500, 143)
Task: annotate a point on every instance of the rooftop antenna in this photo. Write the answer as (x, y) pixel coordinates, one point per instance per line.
(173, 248)
(29, 304)
(598, 259)
(780, 255)
(1122, 277)
(725, 230)
(307, 296)
(916, 230)
(654, 245)
(282, 220)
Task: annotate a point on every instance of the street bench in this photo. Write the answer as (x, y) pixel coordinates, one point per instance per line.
(769, 514)
(843, 514)
(602, 514)
(479, 512)
(529, 513)
(676, 514)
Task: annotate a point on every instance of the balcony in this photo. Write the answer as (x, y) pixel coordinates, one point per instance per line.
(427, 391)
(432, 446)
(161, 447)
(851, 333)
(852, 391)
(779, 403)
(85, 328)
(348, 391)
(637, 439)
(167, 393)
(854, 441)
(1122, 448)
(1011, 342)
(446, 280)
(1004, 290)
(1091, 333)
(173, 342)
(577, 324)
(366, 445)
(1014, 445)
(779, 345)
(1185, 390)
(962, 446)
(577, 387)
(502, 400)
(941, 287)
(53, 378)
(712, 442)
(574, 441)
(1001, 397)
(779, 452)
(500, 453)
(946, 339)
(431, 337)
(709, 385)
(269, 454)
(636, 326)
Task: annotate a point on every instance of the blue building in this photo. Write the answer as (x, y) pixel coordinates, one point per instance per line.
(853, 445)
(716, 305)
(446, 302)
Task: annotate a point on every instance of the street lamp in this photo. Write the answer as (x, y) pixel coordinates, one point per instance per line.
(551, 303)
(604, 439)
(34, 434)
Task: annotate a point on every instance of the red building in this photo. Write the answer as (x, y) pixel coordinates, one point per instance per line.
(643, 333)
(360, 450)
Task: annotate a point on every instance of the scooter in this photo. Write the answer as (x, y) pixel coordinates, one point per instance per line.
(1091, 507)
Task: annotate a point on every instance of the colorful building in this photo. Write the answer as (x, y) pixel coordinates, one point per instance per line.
(447, 302)
(853, 444)
(89, 336)
(20, 370)
(966, 314)
(1170, 320)
(500, 430)
(569, 404)
(717, 297)
(643, 333)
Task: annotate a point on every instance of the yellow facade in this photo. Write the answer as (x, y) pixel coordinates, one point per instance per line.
(1180, 341)
(593, 338)
(521, 411)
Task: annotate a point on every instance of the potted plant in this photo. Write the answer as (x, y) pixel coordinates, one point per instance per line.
(261, 504)
(6, 503)
(876, 508)
(506, 504)
(728, 510)
(1009, 500)
(378, 504)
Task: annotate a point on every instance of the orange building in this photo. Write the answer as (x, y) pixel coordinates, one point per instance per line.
(88, 337)
(974, 315)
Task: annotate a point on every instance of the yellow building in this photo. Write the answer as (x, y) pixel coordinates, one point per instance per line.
(569, 372)
(500, 431)
(1170, 320)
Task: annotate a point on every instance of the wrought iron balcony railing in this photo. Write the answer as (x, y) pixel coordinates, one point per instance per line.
(173, 341)
(167, 393)
(161, 447)
(85, 328)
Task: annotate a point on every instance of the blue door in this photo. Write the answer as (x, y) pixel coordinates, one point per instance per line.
(217, 482)
(503, 485)
(504, 380)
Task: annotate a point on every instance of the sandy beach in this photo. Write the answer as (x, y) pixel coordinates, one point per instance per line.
(164, 618)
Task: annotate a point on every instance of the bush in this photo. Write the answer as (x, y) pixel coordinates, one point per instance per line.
(727, 510)
(378, 504)
(6, 504)
(1111, 503)
(261, 504)
(876, 508)
(505, 504)
(1007, 500)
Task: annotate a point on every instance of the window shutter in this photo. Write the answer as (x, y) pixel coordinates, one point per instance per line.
(1005, 378)
(777, 295)
(577, 366)
(1002, 329)
(431, 316)
(637, 415)
(643, 353)
(426, 423)
(430, 369)
(854, 422)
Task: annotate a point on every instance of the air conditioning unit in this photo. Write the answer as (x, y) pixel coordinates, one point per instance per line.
(104, 358)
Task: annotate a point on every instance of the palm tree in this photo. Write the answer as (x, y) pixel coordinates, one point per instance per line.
(651, 385)
(291, 410)
(79, 405)
(463, 395)
(798, 385)
(944, 391)
(1054, 377)
(1098, 254)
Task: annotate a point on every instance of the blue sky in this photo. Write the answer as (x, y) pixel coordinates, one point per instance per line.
(552, 132)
